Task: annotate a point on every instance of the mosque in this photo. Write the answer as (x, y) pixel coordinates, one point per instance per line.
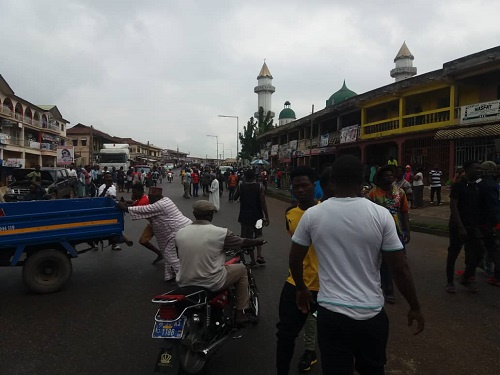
(440, 117)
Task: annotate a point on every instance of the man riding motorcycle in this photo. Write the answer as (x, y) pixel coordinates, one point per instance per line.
(201, 249)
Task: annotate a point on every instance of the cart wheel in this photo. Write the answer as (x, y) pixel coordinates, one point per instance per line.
(46, 271)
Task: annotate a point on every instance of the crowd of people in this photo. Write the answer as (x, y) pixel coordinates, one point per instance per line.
(342, 271)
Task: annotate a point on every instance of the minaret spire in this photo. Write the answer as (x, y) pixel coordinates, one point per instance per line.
(264, 90)
(404, 64)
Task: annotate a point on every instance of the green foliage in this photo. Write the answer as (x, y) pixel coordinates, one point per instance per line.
(248, 139)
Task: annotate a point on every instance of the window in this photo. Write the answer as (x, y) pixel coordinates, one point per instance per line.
(62, 127)
(84, 142)
(75, 142)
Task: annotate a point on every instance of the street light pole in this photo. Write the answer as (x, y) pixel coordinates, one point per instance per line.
(223, 158)
(217, 154)
(237, 133)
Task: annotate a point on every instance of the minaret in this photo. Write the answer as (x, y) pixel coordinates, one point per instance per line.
(404, 64)
(264, 90)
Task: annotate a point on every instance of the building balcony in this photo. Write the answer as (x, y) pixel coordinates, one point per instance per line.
(19, 117)
(380, 126)
(6, 110)
(428, 117)
(36, 123)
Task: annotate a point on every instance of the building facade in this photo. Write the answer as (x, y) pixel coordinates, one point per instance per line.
(442, 117)
(29, 133)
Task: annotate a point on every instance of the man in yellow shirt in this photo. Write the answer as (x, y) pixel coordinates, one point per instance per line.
(291, 319)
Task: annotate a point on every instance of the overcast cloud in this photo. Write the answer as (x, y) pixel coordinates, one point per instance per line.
(161, 71)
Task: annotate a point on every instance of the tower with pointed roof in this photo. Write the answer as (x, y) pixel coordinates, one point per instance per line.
(264, 90)
(404, 64)
(286, 115)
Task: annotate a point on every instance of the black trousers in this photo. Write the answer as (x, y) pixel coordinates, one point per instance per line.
(473, 247)
(291, 322)
(437, 191)
(347, 344)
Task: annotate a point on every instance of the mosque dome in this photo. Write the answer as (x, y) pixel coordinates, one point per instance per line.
(343, 94)
(287, 112)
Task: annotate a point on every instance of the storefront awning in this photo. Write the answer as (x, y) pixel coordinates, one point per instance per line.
(470, 132)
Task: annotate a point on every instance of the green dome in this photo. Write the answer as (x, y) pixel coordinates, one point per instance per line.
(287, 113)
(343, 94)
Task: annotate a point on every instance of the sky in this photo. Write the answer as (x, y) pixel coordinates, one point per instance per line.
(162, 71)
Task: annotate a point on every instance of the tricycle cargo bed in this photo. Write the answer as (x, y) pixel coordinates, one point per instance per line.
(54, 221)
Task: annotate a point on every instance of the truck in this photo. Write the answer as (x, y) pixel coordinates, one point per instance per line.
(44, 236)
(115, 155)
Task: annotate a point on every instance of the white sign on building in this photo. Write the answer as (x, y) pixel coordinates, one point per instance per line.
(479, 112)
(349, 134)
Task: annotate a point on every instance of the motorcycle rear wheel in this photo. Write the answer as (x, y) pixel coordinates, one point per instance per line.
(192, 362)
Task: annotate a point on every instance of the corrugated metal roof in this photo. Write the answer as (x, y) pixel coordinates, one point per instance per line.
(470, 132)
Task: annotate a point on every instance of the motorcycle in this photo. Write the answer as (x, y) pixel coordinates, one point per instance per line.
(195, 322)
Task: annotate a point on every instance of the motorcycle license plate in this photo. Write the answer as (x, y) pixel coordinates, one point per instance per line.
(169, 330)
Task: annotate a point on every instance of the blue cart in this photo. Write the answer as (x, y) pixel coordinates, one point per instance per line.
(41, 236)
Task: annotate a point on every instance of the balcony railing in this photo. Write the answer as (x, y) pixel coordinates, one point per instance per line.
(31, 144)
(48, 147)
(15, 141)
(37, 123)
(27, 120)
(19, 117)
(6, 110)
(381, 126)
(54, 127)
(429, 117)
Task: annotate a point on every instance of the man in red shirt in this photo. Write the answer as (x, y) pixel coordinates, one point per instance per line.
(195, 180)
(232, 182)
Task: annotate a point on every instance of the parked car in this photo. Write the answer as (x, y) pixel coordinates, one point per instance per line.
(55, 182)
(224, 168)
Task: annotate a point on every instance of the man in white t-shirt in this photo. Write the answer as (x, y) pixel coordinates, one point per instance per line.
(352, 324)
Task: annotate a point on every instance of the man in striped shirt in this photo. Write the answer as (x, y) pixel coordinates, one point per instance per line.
(435, 177)
(166, 220)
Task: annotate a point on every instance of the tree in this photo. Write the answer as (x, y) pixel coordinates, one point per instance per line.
(248, 139)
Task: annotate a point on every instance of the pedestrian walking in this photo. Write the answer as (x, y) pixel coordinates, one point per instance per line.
(214, 193)
(464, 228)
(253, 207)
(291, 319)
(352, 324)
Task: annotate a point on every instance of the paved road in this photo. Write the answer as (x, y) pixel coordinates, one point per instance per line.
(101, 322)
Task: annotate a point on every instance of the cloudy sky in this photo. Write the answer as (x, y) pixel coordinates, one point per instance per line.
(161, 71)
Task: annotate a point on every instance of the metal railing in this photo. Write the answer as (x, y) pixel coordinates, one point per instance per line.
(6, 110)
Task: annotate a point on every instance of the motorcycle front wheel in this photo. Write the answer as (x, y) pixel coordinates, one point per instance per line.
(192, 362)
(254, 302)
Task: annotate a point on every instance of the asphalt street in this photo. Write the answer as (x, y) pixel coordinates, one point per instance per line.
(101, 322)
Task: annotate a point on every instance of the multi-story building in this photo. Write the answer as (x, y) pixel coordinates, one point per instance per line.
(143, 153)
(88, 142)
(29, 133)
(442, 117)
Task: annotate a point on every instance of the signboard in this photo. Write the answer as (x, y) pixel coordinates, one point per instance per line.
(479, 112)
(4, 139)
(65, 155)
(12, 162)
(274, 150)
(349, 134)
(324, 140)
